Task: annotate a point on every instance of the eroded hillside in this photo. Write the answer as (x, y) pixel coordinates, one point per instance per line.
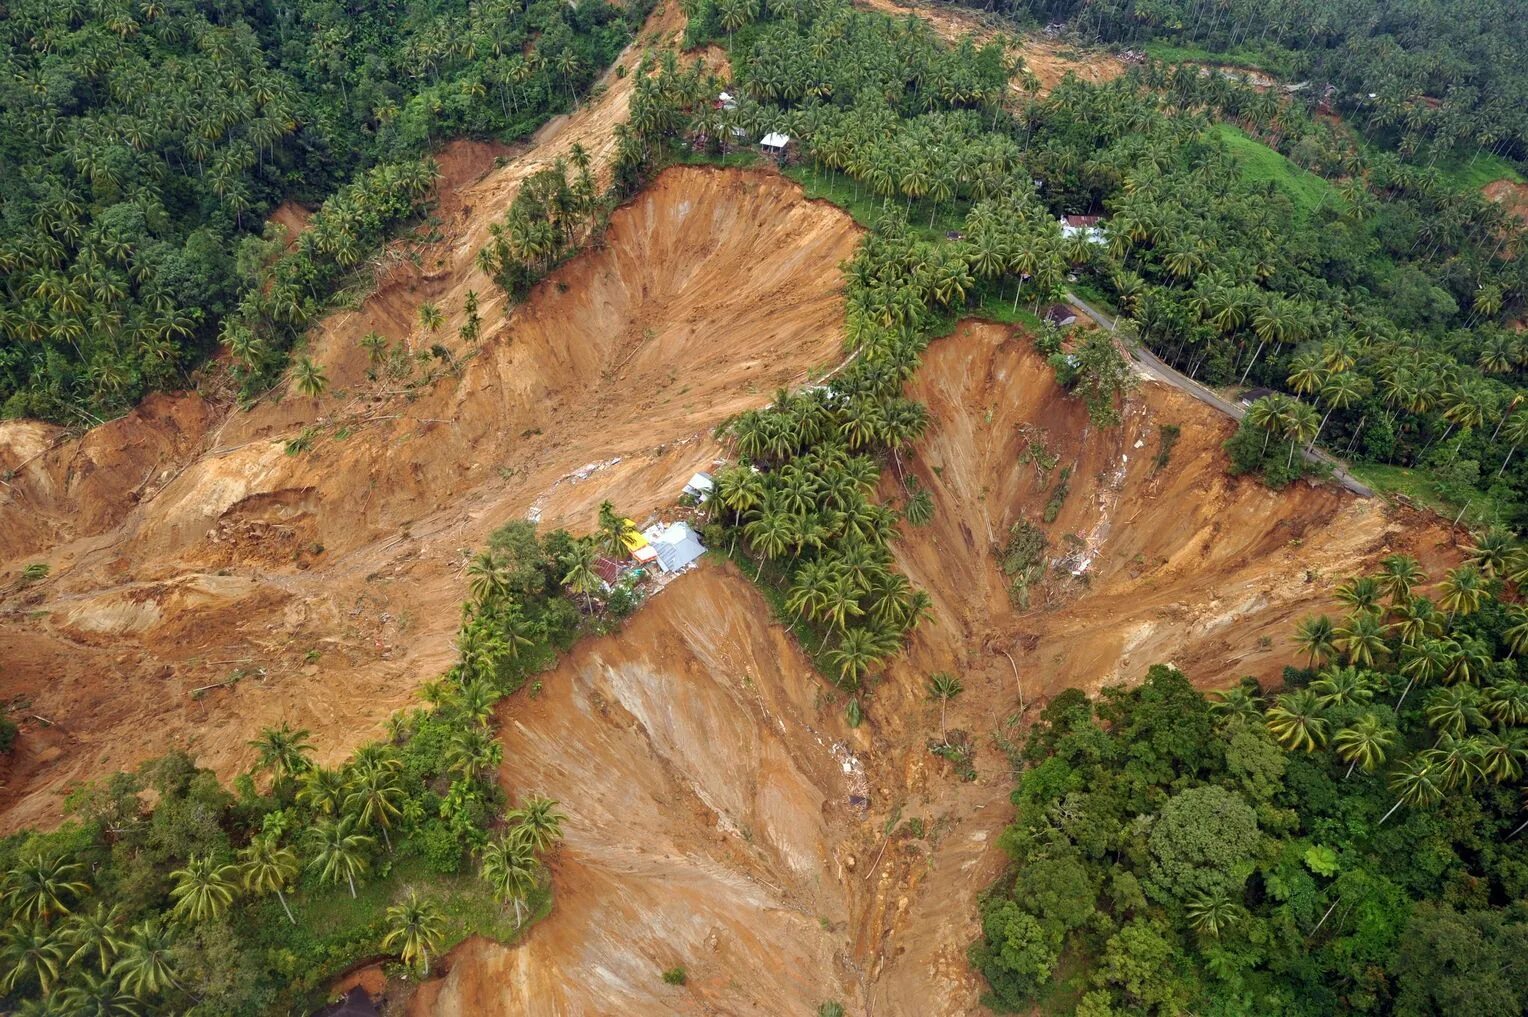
(186, 545)
(710, 776)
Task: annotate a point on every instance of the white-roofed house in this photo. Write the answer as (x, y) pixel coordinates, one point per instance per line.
(677, 545)
(776, 144)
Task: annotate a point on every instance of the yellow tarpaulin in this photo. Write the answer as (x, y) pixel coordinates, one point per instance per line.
(633, 538)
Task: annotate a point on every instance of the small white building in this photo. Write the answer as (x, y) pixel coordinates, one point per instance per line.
(700, 487)
(1089, 227)
(774, 143)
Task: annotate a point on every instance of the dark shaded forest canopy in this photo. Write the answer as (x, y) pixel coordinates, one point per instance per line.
(142, 144)
(1439, 72)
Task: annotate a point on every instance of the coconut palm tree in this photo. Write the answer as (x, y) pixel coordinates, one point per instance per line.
(40, 886)
(943, 687)
(1364, 743)
(30, 951)
(1506, 703)
(1359, 594)
(1236, 705)
(1416, 620)
(471, 752)
(1343, 686)
(97, 995)
(487, 577)
(856, 653)
(1399, 575)
(1502, 755)
(322, 790)
(204, 888)
(1297, 720)
(284, 751)
(310, 378)
(338, 851)
(614, 531)
(538, 821)
(146, 967)
(1457, 760)
(1361, 638)
(1314, 635)
(375, 345)
(579, 575)
(1209, 913)
(415, 928)
(376, 793)
(270, 868)
(1454, 710)
(96, 932)
(1462, 591)
(1417, 783)
(510, 869)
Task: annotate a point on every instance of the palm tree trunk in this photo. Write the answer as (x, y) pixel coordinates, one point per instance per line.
(1404, 694)
(1505, 461)
(351, 880)
(282, 898)
(1388, 814)
(1255, 354)
(1350, 769)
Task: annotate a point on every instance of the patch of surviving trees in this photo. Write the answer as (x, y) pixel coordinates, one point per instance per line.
(1439, 75)
(249, 900)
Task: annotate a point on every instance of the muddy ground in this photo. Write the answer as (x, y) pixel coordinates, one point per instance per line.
(722, 815)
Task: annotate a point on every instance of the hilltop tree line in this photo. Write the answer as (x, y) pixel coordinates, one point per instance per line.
(143, 143)
(1437, 75)
(165, 892)
(1348, 844)
(1379, 300)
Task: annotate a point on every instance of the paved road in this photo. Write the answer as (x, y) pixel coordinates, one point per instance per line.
(1149, 365)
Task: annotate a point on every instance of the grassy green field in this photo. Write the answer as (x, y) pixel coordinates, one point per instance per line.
(1251, 59)
(866, 208)
(1261, 164)
(1471, 173)
(1480, 513)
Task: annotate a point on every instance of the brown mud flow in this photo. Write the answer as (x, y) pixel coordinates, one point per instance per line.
(713, 784)
(186, 543)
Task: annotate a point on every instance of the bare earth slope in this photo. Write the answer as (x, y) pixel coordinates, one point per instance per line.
(711, 821)
(711, 290)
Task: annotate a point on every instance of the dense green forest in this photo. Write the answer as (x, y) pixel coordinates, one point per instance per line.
(143, 143)
(1349, 844)
(1436, 76)
(165, 892)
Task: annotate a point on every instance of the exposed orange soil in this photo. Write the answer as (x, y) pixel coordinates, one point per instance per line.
(184, 546)
(1049, 59)
(694, 752)
(1513, 197)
